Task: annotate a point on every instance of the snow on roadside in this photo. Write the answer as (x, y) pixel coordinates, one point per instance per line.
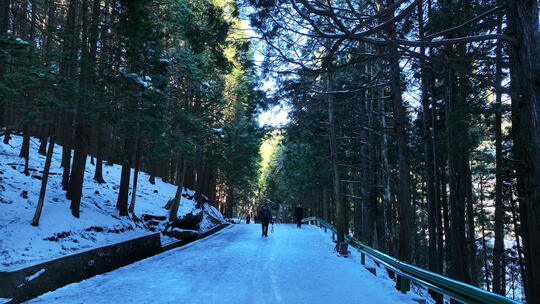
(59, 233)
(380, 270)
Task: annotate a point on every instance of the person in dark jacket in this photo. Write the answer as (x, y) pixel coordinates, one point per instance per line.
(299, 215)
(265, 216)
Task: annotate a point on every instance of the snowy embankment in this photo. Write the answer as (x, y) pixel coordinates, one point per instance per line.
(237, 265)
(59, 233)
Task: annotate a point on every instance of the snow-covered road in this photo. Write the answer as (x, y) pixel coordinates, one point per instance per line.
(237, 265)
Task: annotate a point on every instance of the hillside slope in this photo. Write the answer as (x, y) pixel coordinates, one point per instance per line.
(59, 233)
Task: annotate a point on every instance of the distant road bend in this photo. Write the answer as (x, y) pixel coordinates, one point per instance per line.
(237, 265)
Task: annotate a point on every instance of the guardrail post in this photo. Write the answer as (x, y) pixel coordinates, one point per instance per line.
(363, 258)
(405, 284)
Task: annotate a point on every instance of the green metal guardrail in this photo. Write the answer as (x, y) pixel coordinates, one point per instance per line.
(456, 290)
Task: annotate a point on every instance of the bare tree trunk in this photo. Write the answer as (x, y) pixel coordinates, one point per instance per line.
(385, 177)
(177, 171)
(522, 21)
(46, 169)
(165, 170)
(471, 233)
(372, 197)
(366, 187)
(340, 209)
(4, 25)
(136, 176)
(445, 214)
(484, 247)
(67, 71)
(213, 187)
(66, 150)
(51, 23)
(122, 202)
(457, 165)
(98, 173)
(208, 181)
(400, 130)
(25, 150)
(503, 278)
(518, 245)
(325, 203)
(483, 227)
(200, 166)
(230, 202)
(43, 139)
(93, 40)
(178, 195)
(152, 179)
(357, 208)
(82, 128)
(403, 150)
(498, 248)
(428, 153)
(4, 16)
(25, 98)
(46, 55)
(437, 181)
(79, 164)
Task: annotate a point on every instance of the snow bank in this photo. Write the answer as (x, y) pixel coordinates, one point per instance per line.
(59, 233)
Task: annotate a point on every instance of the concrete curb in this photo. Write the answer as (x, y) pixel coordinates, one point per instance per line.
(26, 283)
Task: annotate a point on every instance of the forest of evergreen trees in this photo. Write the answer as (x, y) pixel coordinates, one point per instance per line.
(167, 87)
(414, 127)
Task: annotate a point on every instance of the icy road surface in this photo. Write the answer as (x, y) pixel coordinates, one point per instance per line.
(237, 265)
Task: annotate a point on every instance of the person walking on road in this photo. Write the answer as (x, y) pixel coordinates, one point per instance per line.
(298, 215)
(265, 216)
